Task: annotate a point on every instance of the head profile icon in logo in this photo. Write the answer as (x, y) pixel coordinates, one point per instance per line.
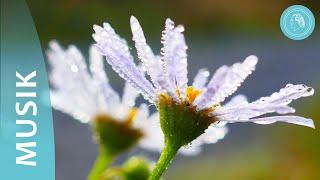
(297, 22)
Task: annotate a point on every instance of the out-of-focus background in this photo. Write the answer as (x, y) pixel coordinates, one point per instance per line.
(217, 32)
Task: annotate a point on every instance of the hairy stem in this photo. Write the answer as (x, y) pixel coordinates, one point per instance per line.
(164, 161)
(103, 160)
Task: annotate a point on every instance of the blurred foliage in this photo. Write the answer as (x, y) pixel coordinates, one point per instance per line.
(291, 152)
(71, 20)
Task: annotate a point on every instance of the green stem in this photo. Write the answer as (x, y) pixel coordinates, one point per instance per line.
(164, 161)
(103, 160)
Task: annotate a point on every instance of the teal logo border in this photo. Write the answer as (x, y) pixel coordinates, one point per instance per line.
(26, 134)
(307, 18)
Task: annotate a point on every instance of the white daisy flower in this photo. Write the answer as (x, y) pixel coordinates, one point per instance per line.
(188, 113)
(89, 98)
(168, 78)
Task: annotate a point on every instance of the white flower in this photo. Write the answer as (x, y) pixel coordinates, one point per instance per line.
(85, 95)
(168, 76)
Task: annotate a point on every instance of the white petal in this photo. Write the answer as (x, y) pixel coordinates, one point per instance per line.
(66, 104)
(175, 58)
(169, 72)
(191, 150)
(153, 139)
(277, 102)
(69, 75)
(212, 135)
(118, 56)
(99, 77)
(203, 100)
(246, 111)
(160, 78)
(237, 100)
(96, 89)
(288, 119)
(76, 56)
(96, 65)
(129, 95)
(141, 117)
(225, 82)
(180, 58)
(54, 54)
(151, 63)
(201, 79)
(287, 94)
(76, 92)
(234, 78)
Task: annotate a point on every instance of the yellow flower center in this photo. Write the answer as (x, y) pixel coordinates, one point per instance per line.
(131, 116)
(192, 93)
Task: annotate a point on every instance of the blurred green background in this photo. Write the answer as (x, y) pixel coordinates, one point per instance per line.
(217, 32)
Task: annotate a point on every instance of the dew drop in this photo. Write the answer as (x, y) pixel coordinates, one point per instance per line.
(74, 68)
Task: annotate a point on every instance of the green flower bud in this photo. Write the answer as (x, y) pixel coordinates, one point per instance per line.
(136, 168)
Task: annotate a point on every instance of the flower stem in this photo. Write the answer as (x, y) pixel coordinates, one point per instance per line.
(103, 160)
(164, 161)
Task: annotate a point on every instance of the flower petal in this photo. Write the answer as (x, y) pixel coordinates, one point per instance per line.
(141, 117)
(203, 100)
(234, 78)
(288, 119)
(75, 107)
(237, 100)
(129, 95)
(174, 58)
(75, 92)
(191, 150)
(277, 102)
(247, 111)
(212, 135)
(100, 79)
(287, 94)
(118, 56)
(151, 63)
(152, 131)
(201, 79)
(96, 65)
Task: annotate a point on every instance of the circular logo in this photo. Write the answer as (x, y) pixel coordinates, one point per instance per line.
(297, 22)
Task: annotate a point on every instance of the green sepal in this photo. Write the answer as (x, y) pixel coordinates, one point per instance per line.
(181, 123)
(115, 136)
